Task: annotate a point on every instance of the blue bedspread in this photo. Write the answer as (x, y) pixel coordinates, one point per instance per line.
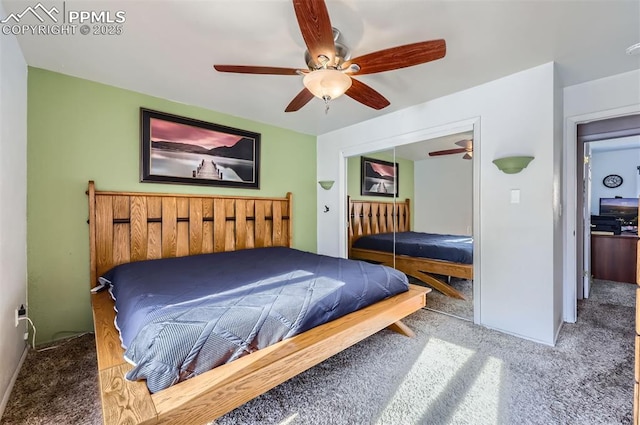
(454, 248)
(179, 317)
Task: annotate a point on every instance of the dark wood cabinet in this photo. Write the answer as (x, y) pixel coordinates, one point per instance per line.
(613, 257)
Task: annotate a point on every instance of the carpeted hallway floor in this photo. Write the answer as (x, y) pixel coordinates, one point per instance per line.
(453, 372)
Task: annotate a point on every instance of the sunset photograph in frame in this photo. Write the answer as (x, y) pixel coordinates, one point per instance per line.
(186, 151)
(379, 178)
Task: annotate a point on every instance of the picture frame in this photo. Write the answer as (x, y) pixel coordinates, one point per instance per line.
(379, 178)
(181, 150)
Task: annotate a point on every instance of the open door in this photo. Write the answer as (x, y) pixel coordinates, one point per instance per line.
(586, 214)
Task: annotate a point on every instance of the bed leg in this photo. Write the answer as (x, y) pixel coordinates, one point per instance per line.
(440, 285)
(401, 328)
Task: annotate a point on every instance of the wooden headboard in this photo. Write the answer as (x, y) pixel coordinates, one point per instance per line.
(134, 226)
(372, 217)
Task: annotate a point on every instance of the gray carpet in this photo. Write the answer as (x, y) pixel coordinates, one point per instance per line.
(453, 372)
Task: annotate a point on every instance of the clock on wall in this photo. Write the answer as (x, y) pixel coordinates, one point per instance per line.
(612, 180)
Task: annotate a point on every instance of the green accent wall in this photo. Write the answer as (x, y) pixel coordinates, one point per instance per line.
(405, 174)
(80, 130)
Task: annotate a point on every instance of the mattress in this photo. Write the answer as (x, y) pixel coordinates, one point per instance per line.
(179, 317)
(453, 248)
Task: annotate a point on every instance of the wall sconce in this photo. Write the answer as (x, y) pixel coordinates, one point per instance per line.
(513, 164)
(326, 184)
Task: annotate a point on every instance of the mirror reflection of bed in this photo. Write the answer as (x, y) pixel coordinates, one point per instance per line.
(435, 197)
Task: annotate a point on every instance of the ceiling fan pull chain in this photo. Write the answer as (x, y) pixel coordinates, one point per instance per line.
(326, 104)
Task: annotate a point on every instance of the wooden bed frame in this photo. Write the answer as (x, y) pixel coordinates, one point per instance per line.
(371, 217)
(130, 226)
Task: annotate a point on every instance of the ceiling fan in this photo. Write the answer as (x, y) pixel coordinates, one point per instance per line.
(466, 146)
(330, 69)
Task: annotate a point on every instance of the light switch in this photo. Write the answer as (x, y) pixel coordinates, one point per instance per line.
(515, 196)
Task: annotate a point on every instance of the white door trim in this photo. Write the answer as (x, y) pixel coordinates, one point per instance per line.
(586, 224)
(571, 280)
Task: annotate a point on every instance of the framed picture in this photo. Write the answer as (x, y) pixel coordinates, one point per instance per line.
(185, 151)
(379, 178)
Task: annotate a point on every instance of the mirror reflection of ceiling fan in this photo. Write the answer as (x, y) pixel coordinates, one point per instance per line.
(330, 71)
(466, 146)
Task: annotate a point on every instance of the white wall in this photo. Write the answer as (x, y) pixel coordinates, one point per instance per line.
(599, 99)
(514, 256)
(620, 162)
(13, 207)
(443, 195)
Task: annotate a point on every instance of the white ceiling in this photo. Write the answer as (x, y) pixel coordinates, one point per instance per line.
(168, 47)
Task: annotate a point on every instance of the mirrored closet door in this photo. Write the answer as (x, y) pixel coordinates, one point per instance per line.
(406, 204)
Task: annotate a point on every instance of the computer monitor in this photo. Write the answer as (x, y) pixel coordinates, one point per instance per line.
(625, 209)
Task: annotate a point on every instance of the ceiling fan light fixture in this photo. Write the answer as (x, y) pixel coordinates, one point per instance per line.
(327, 84)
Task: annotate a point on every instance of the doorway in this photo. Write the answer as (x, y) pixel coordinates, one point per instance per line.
(612, 186)
(608, 135)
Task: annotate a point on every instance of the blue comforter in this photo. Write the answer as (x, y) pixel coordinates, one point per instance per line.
(454, 248)
(179, 317)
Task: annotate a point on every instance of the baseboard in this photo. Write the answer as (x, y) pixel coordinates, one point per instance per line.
(7, 394)
(539, 341)
(555, 339)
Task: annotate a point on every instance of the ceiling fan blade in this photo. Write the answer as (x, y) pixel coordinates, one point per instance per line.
(399, 57)
(247, 69)
(467, 156)
(366, 95)
(299, 101)
(448, 152)
(467, 144)
(315, 26)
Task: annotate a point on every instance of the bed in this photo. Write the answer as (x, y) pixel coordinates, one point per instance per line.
(127, 227)
(379, 220)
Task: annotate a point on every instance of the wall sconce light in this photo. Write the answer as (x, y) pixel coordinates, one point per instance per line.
(326, 184)
(513, 164)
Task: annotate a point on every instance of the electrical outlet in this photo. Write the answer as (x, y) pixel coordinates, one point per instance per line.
(25, 336)
(20, 312)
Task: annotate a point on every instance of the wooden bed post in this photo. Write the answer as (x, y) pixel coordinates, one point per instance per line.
(290, 214)
(92, 233)
(407, 220)
(349, 229)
